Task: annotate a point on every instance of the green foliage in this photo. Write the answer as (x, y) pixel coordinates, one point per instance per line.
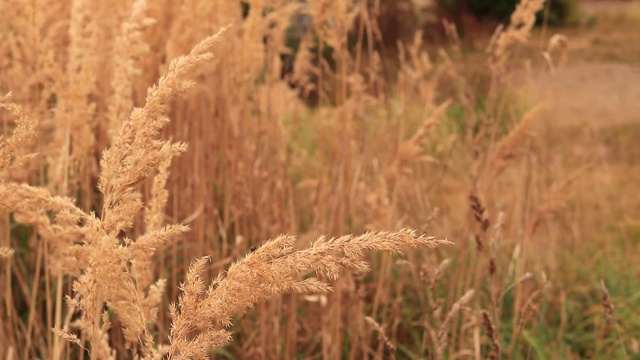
(561, 12)
(498, 9)
(564, 12)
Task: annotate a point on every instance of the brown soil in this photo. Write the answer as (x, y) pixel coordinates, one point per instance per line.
(591, 93)
(600, 86)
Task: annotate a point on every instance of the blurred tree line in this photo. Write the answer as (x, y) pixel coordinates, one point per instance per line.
(559, 12)
(402, 17)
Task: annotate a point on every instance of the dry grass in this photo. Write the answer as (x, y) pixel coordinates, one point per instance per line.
(120, 241)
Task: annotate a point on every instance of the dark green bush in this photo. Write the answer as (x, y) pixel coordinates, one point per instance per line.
(562, 12)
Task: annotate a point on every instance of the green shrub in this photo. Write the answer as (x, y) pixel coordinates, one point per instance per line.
(561, 12)
(564, 12)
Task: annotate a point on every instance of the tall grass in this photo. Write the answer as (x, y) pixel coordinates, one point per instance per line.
(149, 214)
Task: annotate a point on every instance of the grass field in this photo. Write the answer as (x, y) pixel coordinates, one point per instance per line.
(175, 187)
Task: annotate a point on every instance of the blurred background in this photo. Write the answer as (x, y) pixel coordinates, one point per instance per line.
(513, 132)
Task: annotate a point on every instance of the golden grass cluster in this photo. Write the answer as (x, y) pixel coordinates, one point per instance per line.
(143, 212)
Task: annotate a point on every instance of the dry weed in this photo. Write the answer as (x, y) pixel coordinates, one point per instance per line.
(304, 123)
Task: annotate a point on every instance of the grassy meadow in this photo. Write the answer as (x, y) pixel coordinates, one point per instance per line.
(310, 180)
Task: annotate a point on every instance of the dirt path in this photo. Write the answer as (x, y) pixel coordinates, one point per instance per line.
(597, 94)
(601, 85)
(613, 7)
